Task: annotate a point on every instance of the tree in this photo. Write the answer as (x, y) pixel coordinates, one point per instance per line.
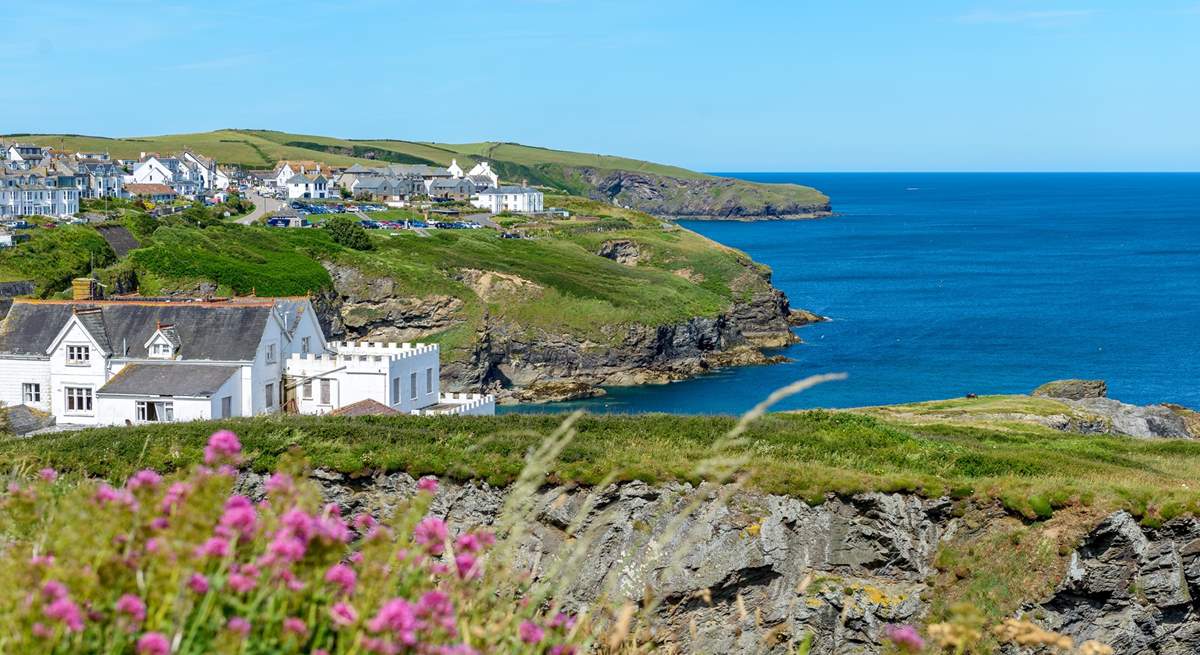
(348, 232)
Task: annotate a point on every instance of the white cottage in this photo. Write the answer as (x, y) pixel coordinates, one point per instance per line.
(117, 362)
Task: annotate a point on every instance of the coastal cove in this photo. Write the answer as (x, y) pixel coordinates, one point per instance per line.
(939, 284)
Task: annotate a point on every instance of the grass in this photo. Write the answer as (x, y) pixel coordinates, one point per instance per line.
(52, 257)
(807, 455)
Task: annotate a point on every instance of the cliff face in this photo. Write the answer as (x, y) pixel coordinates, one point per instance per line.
(750, 573)
(537, 364)
(703, 198)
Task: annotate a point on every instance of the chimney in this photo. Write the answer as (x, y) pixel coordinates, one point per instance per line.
(84, 288)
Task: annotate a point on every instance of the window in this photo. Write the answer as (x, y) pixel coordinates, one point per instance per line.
(227, 407)
(78, 355)
(270, 353)
(155, 411)
(31, 392)
(325, 392)
(395, 391)
(429, 380)
(412, 385)
(160, 350)
(271, 395)
(304, 347)
(79, 399)
(307, 389)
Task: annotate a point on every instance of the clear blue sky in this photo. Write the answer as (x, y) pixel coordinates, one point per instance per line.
(728, 86)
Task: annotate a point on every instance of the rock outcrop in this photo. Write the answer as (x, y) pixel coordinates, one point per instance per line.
(735, 571)
(1134, 588)
(533, 364)
(744, 573)
(1073, 389)
(622, 251)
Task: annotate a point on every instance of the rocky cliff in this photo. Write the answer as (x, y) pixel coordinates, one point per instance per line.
(703, 197)
(747, 572)
(532, 364)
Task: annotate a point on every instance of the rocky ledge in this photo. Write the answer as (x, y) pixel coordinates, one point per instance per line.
(747, 572)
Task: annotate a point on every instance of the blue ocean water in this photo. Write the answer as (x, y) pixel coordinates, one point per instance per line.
(940, 285)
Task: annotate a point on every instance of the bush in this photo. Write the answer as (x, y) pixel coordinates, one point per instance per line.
(187, 566)
(348, 232)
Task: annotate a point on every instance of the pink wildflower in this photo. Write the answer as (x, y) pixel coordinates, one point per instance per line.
(342, 576)
(106, 494)
(466, 565)
(295, 626)
(240, 516)
(198, 583)
(343, 614)
(48, 474)
(428, 484)
(468, 542)
(299, 523)
(66, 612)
(152, 545)
(41, 560)
(176, 493)
(436, 608)
(398, 617)
(563, 621)
(133, 607)
(159, 523)
(53, 590)
(145, 478)
(223, 448)
(279, 483)
(217, 547)
(905, 637)
(364, 522)
(153, 643)
(431, 533)
(41, 631)
(291, 581)
(530, 632)
(562, 649)
(238, 625)
(332, 529)
(241, 583)
(286, 549)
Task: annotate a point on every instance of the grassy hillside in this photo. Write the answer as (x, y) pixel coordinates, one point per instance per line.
(572, 172)
(1033, 471)
(554, 281)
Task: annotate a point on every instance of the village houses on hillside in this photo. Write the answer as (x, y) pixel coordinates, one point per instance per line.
(135, 360)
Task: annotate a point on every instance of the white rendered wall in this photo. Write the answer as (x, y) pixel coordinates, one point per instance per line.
(19, 370)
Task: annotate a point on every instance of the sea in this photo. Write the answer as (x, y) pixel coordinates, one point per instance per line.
(939, 285)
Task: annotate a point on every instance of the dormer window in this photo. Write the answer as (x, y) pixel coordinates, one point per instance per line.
(164, 343)
(78, 355)
(160, 350)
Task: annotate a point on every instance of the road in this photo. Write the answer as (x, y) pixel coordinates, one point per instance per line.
(262, 205)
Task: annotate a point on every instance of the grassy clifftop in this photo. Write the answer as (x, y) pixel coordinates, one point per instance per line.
(1033, 471)
(656, 188)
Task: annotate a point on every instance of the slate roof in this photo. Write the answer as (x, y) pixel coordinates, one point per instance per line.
(153, 189)
(507, 189)
(187, 380)
(366, 407)
(213, 331)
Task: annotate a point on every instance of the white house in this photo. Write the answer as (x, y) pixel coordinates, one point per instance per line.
(303, 186)
(113, 362)
(286, 169)
(37, 192)
(483, 171)
(509, 199)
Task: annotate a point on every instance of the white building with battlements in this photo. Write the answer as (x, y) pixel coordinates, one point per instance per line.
(403, 377)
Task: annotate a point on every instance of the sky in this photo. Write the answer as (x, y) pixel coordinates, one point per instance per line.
(746, 85)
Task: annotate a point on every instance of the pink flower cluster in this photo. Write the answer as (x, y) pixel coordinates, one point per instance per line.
(388, 593)
(904, 637)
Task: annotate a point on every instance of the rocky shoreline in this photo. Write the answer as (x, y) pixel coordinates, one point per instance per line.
(520, 364)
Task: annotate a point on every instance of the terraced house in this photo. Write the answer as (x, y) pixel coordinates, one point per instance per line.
(37, 192)
(128, 361)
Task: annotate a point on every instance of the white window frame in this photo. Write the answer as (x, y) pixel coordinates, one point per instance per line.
(164, 411)
(306, 389)
(412, 381)
(31, 392)
(326, 391)
(226, 406)
(79, 355)
(270, 394)
(429, 380)
(270, 353)
(81, 396)
(304, 345)
(396, 391)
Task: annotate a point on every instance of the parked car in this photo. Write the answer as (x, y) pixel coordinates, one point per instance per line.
(369, 224)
